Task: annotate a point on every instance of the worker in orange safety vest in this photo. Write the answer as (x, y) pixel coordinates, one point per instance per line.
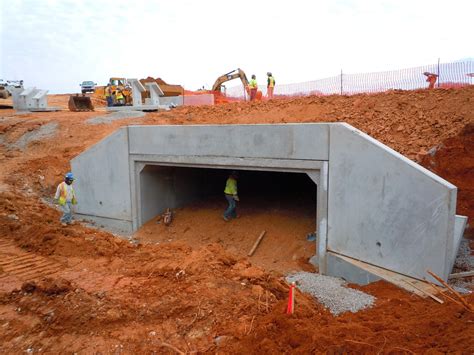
(270, 85)
(66, 197)
(431, 78)
(253, 87)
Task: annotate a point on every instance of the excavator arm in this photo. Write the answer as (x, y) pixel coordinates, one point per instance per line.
(234, 74)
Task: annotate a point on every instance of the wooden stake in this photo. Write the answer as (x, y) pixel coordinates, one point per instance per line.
(425, 292)
(463, 301)
(257, 242)
(445, 295)
(459, 275)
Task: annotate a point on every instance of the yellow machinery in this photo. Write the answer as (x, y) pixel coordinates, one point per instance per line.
(234, 74)
(116, 83)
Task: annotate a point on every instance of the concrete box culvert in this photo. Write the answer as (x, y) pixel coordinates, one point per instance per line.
(166, 186)
(373, 204)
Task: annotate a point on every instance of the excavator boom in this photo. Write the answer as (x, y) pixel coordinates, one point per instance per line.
(234, 74)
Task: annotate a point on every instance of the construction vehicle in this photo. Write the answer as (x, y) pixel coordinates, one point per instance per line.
(7, 87)
(116, 83)
(234, 74)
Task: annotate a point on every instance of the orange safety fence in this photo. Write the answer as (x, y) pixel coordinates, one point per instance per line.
(449, 75)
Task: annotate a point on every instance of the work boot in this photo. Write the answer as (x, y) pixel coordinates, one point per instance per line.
(225, 218)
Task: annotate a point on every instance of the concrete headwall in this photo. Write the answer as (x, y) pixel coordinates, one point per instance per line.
(290, 141)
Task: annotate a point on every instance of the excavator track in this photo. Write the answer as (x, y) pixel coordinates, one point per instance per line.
(24, 265)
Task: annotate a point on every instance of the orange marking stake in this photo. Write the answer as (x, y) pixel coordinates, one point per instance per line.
(291, 300)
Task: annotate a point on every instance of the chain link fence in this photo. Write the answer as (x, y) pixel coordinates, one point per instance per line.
(455, 74)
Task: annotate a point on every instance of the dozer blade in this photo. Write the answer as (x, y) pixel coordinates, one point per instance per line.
(80, 103)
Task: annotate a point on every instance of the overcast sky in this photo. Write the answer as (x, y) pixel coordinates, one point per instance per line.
(56, 44)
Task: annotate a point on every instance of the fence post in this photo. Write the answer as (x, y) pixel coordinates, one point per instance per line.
(341, 82)
(439, 78)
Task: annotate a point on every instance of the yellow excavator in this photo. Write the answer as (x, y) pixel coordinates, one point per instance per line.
(234, 74)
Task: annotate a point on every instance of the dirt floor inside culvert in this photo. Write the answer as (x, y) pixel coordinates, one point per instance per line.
(80, 289)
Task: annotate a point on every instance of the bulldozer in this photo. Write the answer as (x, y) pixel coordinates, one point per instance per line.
(234, 74)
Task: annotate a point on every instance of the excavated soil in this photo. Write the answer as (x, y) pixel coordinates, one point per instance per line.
(79, 289)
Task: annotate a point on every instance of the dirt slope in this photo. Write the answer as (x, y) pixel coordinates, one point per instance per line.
(76, 289)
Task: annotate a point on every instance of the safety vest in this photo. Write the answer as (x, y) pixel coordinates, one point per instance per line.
(107, 92)
(231, 187)
(118, 95)
(271, 82)
(63, 194)
(253, 84)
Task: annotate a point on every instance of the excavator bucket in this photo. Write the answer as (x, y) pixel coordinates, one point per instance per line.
(80, 103)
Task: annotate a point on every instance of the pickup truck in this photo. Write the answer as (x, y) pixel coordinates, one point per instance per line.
(87, 86)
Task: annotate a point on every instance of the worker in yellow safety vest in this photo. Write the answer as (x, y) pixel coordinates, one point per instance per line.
(231, 196)
(270, 85)
(119, 97)
(108, 95)
(253, 87)
(66, 197)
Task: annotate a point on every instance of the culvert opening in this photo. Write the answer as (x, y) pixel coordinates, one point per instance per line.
(281, 203)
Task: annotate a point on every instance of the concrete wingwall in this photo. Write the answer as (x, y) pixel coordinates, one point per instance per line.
(102, 182)
(386, 210)
(374, 205)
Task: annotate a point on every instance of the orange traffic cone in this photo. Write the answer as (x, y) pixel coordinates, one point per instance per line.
(291, 300)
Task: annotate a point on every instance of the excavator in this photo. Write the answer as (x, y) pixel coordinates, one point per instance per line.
(234, 74)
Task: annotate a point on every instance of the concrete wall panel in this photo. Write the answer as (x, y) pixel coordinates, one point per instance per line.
(102, 178)
(289, 141)
(386, 210)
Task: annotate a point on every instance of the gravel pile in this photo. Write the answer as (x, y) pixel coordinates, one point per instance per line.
(46, 131)
(119, 115)
(332, 292)
(464, 262)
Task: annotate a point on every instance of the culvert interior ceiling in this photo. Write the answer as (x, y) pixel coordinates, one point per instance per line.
(164, 187)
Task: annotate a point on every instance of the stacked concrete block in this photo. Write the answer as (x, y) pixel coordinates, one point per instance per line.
(31, 99)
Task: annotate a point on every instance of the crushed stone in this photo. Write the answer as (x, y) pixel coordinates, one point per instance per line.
(464, 262)
(114, 116)
(46, 131)
(332, 292)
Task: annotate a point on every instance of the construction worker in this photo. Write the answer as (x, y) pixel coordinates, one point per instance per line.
(431, 78)
(231, 196)
(108, 95)
(66, 197)
(270, 85)
(253, 87)
(119, 97)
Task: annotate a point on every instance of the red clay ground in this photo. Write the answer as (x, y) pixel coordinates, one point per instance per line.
(91, 292)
